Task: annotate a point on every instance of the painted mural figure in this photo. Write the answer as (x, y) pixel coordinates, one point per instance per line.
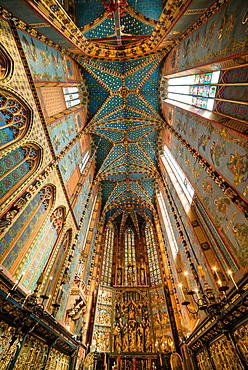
(221, 205)
(208, 36)
(216, 151)
(238, 165)
(202, 141)
(31, 49)
(207, 186)
(240, 232)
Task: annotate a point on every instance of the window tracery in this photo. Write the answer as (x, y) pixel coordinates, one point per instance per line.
(181, 183)
(130, 268)
(16, 167)
(198, 90)
(57, 263)
(108, 255)
(42, 249)
(154, 269)
(71, 95)
(168, 225)
(29, 221)
(15, 118)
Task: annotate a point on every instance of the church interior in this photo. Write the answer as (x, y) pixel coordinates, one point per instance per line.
(123, 184)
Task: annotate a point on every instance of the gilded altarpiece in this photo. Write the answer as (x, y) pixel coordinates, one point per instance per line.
(160, 318)
(132, 330)
(101, 341)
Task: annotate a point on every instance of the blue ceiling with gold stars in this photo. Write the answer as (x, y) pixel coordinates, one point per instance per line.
(124, 121)
(125, 42)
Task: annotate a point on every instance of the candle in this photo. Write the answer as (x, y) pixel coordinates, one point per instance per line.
(197, 294)
(18, 280)
(181, 286)
(50, 278)
(232, 278)
(50, 296)
(218, 277)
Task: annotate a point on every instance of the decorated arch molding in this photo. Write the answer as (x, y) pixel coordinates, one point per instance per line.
(16, 117)
(17, 166)
(6, 65)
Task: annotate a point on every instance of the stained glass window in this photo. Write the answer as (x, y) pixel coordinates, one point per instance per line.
(108, 255)
(130, 271)
(198, 90)
(15, 118)
(16, 167)
(27, 225)
(155, 275)
(168, 226)
(181, 184)
(71, 96)
(84, 161)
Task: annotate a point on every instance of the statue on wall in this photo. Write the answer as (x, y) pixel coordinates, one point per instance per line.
(126, 338)
(130, 275)
(117, 338)
(140, 338)
(132, 331)
(142, 273)
(147, 337)
(132, 337)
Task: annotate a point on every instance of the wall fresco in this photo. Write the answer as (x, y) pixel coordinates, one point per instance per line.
(79, 205)
(221, 36)
(230, 222)
(45, 63)
(223, 148)
(70, 161)
(62, 131)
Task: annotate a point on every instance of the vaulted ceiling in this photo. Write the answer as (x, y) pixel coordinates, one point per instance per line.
(120, 46)
(124, 121)
(124, 110)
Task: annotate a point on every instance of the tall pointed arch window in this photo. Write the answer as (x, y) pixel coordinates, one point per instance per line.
(57, 263)
(18, 238)
(108, 255)
(15, 118)
(130, 270)
(168, 225)
(183, 187)
(16, 167)
(39, 251)
(198, 90)
(154, 269)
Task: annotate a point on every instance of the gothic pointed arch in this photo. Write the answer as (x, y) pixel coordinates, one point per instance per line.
(6, 64)
(16, 167)
(130, 268)
(56, 266)
(153, 262)
(108, 256)
(16, 241)
(41, 250)
(16, 117)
